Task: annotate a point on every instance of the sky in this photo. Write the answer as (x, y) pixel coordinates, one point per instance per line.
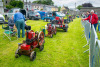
(71, 3)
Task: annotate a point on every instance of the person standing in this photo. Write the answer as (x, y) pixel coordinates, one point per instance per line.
(19, 21)
(99, 26)
(93, 19)
(88, 13)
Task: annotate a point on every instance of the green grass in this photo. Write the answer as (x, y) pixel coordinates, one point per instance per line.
(63, 50)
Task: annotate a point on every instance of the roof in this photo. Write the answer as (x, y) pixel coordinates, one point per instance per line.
(90, 8)
(66, 7)
(51, 6)
(29, 3)
(37, 4)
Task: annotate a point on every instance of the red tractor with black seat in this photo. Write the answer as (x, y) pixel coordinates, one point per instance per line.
(33, 40)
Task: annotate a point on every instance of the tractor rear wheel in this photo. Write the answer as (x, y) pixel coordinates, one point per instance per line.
(17, 54)
(65, 30)
(55, 32)
(32, 56)
(41, 47)
(32, 18)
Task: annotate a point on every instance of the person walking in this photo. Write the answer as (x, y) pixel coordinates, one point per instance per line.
(93, 19)
(19, 21)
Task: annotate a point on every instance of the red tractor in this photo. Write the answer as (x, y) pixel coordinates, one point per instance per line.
(59, 23)
(33, 40)
(51, 30)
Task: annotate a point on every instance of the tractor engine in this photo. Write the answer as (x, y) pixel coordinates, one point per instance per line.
(30, 35)
(49, 27)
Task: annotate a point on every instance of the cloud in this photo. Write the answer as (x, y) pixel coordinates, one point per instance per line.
(71, 3)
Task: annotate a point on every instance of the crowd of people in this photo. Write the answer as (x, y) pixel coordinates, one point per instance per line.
(92, 17)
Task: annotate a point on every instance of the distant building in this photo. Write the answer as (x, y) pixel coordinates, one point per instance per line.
(70, 11)
(1, 7)
(6, 2)
(27, 5)
(64, 9)
(37, 6)
(85, 9)
(74, 12)
(32, 6)
(50, 8)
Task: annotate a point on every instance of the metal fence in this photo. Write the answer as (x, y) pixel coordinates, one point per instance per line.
(93, 42)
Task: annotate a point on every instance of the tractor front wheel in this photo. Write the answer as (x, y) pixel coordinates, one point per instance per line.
(41, 47)
(65, 30)
(17, 54)
(32, 56)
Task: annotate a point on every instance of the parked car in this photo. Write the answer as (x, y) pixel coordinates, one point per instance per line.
(12, 11)
(58, 14)
(33, 15)
(1, 19)
(42, 14)
(48, 17)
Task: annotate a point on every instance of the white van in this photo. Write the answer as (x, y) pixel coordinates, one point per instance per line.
(2, 19)
(12, 11)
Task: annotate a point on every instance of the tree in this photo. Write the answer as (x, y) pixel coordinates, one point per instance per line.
(46, 2)
(79, 7)
(20, 4)
(87, 5)
(13, 3)
(17, 4)
(9, 6)
(59, 8)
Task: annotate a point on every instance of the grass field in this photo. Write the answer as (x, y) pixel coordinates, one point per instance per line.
(63, 50)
